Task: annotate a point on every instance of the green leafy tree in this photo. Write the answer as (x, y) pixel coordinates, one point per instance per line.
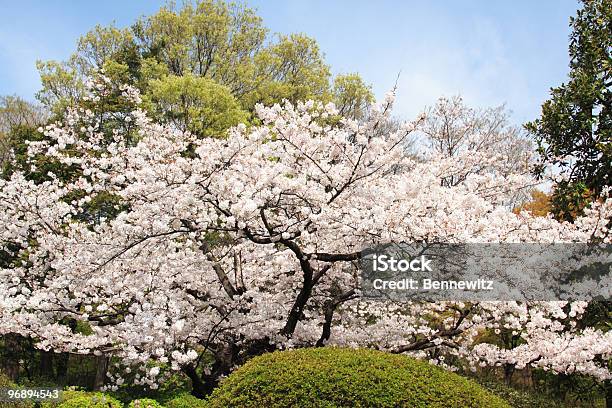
(224, 42)
(196, 104)
(352, 96)
(291, 69)
(16, 112)
(574, 132)
(100, 45)
(61, 85)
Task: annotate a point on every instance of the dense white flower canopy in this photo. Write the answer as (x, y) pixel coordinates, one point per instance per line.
(255, 237)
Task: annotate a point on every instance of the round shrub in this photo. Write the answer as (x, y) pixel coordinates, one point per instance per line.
(66, 396)
(145, 403)
(186, 401)
(89, 400)
(338, 377)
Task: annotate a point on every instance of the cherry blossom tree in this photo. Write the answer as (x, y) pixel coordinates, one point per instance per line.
(209, 251)
(451, 128)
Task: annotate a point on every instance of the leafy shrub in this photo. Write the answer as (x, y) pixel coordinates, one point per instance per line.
(80, 399)
(338, 377)
(519, 398)
(186, 401)
(5, 382)
(66, 396)
(145, 403)
(169, 388)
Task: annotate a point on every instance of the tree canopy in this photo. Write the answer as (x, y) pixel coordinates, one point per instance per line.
(224, 43)
(574, 132)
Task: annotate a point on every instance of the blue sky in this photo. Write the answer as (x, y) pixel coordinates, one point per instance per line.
(491, 52)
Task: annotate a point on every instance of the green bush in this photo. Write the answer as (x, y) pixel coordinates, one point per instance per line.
(520, 398)
(337, 377)
(66, 396)
(528, 398)
(172, 386)
(186, 401)
(80, 399)
(145, 403)
(5, 382)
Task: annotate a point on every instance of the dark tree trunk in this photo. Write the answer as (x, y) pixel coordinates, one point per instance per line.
(329, 309)
(326, 333)
(508, 373)
(560, 386)
(298, 306)
(226, 357)
(199, 388)
(45, 369)
(101, 369)
(202, 386)
(61, 367)
(10, 363)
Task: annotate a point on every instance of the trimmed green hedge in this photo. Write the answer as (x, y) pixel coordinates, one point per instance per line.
(337, 377)
(77, 399)
(186, 401)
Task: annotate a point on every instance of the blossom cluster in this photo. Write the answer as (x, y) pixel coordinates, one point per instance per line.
(170, 246)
